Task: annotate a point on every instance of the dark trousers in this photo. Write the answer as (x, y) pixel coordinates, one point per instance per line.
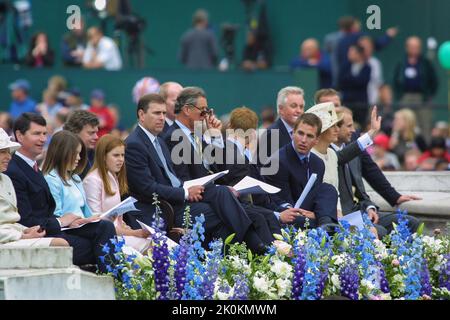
(88, 242)
(322, 200)
(264, 222)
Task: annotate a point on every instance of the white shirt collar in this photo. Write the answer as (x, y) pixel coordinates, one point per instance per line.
(29, 161)
(288, 127)
(338, 148)
(169, 122)
(151, 136)
(185, 129)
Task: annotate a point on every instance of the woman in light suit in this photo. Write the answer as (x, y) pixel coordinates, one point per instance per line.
(11, 232)
(107, 182)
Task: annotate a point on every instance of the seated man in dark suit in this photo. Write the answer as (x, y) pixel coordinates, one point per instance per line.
(290, 106)
(296, 164)
(150, 170)
(351, 186)
(190, 146)
(36, 204)
(239, 160)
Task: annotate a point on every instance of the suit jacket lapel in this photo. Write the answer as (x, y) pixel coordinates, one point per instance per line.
(295, 166)
(36, 177)
(151, 147)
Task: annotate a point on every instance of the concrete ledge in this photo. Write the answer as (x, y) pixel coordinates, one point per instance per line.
(35, 258)
(432, 187)
(55, 284)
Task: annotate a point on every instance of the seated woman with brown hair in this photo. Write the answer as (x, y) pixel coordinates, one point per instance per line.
(11, 232)
(107, 182)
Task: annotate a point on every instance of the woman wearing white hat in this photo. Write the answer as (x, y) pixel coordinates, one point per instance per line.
(329, 134)
(11, 232)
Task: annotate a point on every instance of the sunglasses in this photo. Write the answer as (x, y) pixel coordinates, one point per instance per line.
(203, 112)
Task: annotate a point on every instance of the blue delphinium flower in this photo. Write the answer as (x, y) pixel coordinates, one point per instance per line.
(384, 284)
(349, 281)
(161, 265)
(425, 279)
(444, 277)
(213, 258)
(195, 269)
(412, 268)
(180, 256)
(299, 263)
(241, 287)
(317, 248)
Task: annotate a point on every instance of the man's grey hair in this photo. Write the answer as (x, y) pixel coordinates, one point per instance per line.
(189, 95)
(283, 93)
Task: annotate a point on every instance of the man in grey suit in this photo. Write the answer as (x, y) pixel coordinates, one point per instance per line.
(351, 186)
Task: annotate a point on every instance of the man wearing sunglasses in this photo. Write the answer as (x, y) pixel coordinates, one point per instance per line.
(197, 149)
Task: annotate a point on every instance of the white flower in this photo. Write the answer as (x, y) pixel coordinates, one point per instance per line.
(261, 283)
(339, 259)
(301, 238)
(284, 287)
(368, 285)
(282, 247)
(281, 269)
(240, 264)
(335, 281)
(398, 278)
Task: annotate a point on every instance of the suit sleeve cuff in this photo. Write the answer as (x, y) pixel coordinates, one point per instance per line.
(186, 193)
(371, 207)
(364, 141)
(277, 214)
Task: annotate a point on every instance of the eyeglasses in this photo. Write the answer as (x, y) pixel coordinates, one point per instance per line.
(203, 112)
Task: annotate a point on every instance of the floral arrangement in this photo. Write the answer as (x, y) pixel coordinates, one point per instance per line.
(300, 265)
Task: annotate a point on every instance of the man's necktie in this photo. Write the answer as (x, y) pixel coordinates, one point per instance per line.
(305, 165)
(173, 179)
(35, 167)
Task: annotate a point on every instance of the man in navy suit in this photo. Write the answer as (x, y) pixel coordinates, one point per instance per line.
(290, 106)
(183, 140)
(296, 164)
(150, 170)
(35, 201)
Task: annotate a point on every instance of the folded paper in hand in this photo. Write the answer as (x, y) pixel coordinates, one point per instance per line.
(204, 180)
(118, 210)
(306, 190)
(170, 243)
(354, 219)
(249, 185)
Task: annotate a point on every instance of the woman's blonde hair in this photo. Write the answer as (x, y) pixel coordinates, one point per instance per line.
(62, 153)
(408, 133)
(104, 145)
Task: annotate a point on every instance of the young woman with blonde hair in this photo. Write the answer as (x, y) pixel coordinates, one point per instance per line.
(106, 183)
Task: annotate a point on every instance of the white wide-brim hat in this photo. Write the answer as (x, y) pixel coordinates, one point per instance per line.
(6, 143)
(327, 114)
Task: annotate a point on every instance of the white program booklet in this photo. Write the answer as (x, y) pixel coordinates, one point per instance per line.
(121, 208)
(354, 219)
(204, 180)
(306, 190)
(249, 185)
(170, 243)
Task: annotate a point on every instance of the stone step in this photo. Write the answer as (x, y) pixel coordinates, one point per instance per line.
(54, 284)
(35, 258)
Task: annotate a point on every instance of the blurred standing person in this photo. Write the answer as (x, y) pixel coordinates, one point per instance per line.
(415, 81)
(255, 55)
(39, 53)
(21, 103)
(73, 45)
(354, 79)
(331, 42)
(385, 105)
(311, 57)
(268, 117)
(376, 69)
(101, 52)
(198, 46)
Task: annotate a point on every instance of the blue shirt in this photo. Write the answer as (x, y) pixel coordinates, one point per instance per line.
(18, 107)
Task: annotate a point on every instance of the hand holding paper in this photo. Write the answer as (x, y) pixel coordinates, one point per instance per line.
(170, 243)
(118, 210)
(204, 180)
